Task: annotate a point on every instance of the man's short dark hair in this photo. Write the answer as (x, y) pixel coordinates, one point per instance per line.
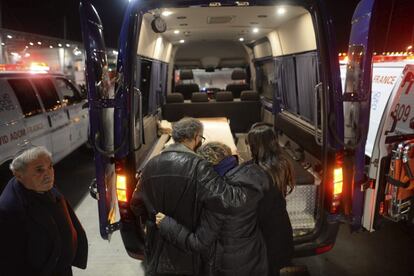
(186, 129)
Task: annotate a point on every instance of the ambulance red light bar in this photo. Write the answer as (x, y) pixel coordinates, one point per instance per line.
(33, 67)
(38, 67)
(383, 57)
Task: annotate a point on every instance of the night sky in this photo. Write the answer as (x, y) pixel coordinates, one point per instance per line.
(46, 17)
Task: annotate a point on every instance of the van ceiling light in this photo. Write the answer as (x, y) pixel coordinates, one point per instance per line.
(219, 19)
(2, 44)
(39, 43)
(182, 41)
(9, 36)
(50, 46)
(31, 43)
(176, 31)
(281, 11)
(60, 45)
(241, 39)
(255, 30)
(166, 13)
(67, 45)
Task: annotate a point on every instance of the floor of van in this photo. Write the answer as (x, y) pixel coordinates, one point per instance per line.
(302, 202)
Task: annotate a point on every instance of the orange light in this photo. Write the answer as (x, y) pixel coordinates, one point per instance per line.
(338, 181)
(121, 188)
(38, 66)
(121, 195)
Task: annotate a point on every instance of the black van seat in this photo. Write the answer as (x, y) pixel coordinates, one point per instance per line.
(199, 97)
(240, 120)
(249, 95)
(224, 96)
(237, 88)
(186, 88)
(175, 98)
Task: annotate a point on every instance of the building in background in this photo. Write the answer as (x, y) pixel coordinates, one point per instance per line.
(25, 51)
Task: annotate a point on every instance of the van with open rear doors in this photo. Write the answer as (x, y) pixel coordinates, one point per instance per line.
(234, 63)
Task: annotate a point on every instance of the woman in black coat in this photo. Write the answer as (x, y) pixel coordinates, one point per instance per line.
(273, 218)
(241, 248)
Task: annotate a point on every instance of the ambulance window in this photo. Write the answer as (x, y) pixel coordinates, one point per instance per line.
(26, 96)
(68, 91)
(47, 93)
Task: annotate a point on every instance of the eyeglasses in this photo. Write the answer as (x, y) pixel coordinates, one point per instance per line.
(203, 139)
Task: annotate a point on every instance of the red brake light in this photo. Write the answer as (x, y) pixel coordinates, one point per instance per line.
(336, 184)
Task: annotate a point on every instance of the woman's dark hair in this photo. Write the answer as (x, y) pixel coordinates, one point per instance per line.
(267, 153)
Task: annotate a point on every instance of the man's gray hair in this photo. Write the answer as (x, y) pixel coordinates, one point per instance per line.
(20, 162)
(186, 129)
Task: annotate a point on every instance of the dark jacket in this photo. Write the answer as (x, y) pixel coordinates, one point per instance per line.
(178, 183)
(276, 228)
(30, 240)
(240, 249)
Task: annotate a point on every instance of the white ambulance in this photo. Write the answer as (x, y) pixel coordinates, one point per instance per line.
(389, 142)
(39, 109)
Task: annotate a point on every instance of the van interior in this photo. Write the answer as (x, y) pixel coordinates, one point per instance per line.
(237, 62)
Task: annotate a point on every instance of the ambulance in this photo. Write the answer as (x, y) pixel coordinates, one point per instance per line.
(234, 63)
(38, 108)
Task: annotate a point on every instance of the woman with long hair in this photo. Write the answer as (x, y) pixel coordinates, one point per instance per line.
(273, 218)
(246, 243)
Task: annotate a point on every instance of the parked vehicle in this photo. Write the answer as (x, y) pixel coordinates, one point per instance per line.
(40, 109)
(284, 70)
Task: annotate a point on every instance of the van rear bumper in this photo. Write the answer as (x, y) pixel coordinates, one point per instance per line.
(322, 242)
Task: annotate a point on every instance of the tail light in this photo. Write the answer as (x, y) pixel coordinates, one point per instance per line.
(121, 188)
(121, 181)
(337, 184)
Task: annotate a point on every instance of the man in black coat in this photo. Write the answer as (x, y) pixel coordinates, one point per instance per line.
(39, 234)
(179, 183)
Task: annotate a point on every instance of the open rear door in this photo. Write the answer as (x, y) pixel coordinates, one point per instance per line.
(356, 100)
(101, 118)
